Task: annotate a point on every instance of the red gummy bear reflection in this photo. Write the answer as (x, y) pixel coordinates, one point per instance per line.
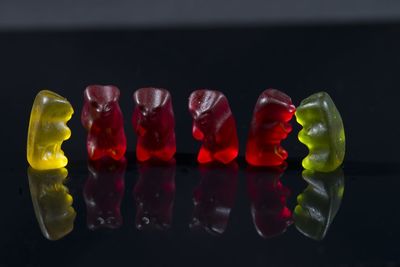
(154, 194)
(103, 192)
(102, 118)
(214, 197)
(154, 123)
(270, 125)
(214, 125)
(268, 199)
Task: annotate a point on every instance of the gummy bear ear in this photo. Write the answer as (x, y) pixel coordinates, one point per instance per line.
(204, 100)
(151, 97)
(114, 93)
(101, 93)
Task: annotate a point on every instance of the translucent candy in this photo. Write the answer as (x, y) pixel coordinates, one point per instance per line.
(47, 130)
(269, 126)
(154, 123)
(102, 118)
(214, 125)
(322, 133)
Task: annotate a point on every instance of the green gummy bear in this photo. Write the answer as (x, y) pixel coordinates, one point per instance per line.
(319, 203)
(322, 133)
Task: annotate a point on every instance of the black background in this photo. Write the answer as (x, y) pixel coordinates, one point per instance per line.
(357, 65)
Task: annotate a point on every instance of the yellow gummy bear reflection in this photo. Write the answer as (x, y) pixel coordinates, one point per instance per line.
(52, 202)
(47, 130)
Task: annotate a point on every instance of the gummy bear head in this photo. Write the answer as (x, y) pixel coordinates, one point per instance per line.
(53, 107)
(153, 105)
(274, 105)
(207, 105)
(101, 98)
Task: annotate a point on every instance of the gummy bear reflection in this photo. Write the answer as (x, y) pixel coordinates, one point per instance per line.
(103, 193)
(268, 198)
(319, 203)
(52, 202)
(154, 194)
(214, 197)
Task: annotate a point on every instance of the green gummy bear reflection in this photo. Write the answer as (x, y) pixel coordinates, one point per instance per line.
(52, 202)
(322, 133)
(319, 203)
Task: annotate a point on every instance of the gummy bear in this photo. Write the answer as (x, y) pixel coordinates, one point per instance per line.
(52, 202)
(102, 118)
(322, 133)
(270, 125)
(47, 130)
(213, 123)
(268, 198)
(154, 123)
(214, 197)
(154, 194)
(103, 193)
(319, 203)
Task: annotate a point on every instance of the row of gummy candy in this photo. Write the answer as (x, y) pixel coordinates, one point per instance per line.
(213, 124)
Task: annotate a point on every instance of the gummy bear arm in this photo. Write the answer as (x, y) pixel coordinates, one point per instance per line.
(197, 133)
(136, 122)
(85, 117)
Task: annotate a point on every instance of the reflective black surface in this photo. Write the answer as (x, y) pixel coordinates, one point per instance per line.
(357, 65)
(364, 229)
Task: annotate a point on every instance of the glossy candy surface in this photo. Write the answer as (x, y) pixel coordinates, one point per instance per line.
(322, 133)
(319, 203)
(269, 126)
(102, 118)
(52, 202)
(268, 196)
(103, 193)
(214, 197)
(154, 123)
(214, 125)
(47, 130)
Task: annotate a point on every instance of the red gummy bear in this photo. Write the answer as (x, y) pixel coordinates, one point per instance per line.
(269, 126)
(214, 197)
(153, 121)
(213, 123)
(154, 194)
(103, 193)
(268, 197)
(102, 118)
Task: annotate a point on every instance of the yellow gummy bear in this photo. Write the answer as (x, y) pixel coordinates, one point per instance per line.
(47, 130)
(52, 202)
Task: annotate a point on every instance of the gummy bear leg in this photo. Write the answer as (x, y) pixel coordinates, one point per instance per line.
(142, 154)
(227, 155)
(164, 154)
(204, 155)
